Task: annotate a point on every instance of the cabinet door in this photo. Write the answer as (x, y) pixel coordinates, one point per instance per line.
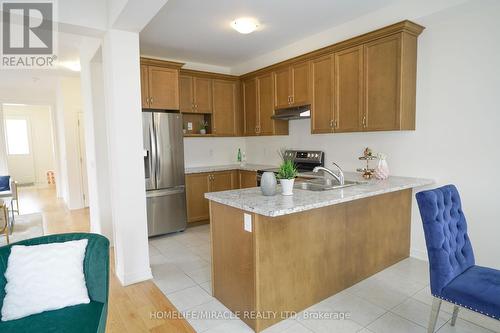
(300, 84)
(163, 88)
(349, 90)
(247, 179)
(382, 83)
(197, 206)
(144, 87)
(224, 112)
(265, 104)
(222, 181)
(186, 101)
(203, 95)
(322, 95)
(250, 106)
(282, 88)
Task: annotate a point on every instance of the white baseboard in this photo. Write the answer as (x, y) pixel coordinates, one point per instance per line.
(418, 254)
(135, 277)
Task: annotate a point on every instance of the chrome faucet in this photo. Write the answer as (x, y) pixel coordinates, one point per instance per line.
(339, 177)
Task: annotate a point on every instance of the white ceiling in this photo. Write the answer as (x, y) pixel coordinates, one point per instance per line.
(199, 31)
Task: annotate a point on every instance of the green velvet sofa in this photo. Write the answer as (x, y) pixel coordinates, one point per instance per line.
(79, 318)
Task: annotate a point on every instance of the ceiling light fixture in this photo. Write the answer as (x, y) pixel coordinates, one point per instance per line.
(245, 25)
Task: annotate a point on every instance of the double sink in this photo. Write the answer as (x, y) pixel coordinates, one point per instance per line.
(323, 184)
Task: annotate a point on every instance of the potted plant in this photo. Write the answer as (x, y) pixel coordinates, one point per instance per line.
(203, 127)
(286, 174)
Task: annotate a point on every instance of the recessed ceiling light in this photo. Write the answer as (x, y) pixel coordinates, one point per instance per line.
(245, 25)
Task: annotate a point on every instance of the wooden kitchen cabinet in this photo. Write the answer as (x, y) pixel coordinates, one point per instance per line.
(197, 206)
(282, 88)
(292, 85)
(159, 84)
(322, 111)
(195, 94)
(144, 87)
(265, 104)
(224, 107)
(250, 107)
(348, 90)
(186, 96)
(390, 83)
(223, 181)
(247, 179)
(198, 184)
(258, 105)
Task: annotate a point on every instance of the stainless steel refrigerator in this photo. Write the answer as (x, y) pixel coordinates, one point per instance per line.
(164, 169)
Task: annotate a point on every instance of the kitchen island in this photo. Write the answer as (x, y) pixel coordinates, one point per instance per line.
(275, 256)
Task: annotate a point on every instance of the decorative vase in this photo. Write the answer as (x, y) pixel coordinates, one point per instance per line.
(203, 131)
(287, 186)
(268, 183)
(382, 169)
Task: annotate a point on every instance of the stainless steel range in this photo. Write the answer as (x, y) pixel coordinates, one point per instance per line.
(305, 160)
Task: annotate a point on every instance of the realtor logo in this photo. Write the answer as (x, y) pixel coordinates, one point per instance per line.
(28, 34)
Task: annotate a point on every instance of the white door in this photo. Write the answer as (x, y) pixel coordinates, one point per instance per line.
(83, 159)
(19, 149)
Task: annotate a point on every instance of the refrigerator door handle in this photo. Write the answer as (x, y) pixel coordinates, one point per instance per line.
(154, 153)
(156, 125)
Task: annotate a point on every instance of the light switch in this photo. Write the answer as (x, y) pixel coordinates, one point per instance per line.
(190, 126)
(247, 221)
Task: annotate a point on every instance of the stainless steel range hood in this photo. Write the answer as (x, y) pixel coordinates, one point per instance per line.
(300, 112)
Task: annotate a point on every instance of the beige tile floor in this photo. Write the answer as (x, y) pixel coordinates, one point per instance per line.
(395, 300)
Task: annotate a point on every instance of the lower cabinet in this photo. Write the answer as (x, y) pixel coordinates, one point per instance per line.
(198, 184)
(247, 179)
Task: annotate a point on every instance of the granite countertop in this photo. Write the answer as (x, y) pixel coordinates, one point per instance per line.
(252, 200)
(215, 168)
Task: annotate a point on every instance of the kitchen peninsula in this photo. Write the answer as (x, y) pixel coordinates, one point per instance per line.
(281, 254)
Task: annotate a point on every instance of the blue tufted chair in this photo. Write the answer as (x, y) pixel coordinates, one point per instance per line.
(454, 276)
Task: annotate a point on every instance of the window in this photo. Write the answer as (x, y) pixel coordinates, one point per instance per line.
(17, 137)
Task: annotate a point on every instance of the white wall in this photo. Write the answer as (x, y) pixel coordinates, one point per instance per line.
(457, 135)
(42, 146)
(68, 105)
(212, 151)
(4, 167)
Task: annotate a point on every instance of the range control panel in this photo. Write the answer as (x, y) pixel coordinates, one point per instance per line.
(311, 156)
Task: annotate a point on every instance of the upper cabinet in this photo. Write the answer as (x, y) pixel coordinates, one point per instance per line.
(225, 100)
(374, 84)
(258, 105)
(348, 90)
(322, 118)
(160, 84)
(250, 111)
(385, 61)
(195, 94)
(292, 85)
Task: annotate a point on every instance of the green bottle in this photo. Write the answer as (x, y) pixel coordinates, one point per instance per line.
(239, 155)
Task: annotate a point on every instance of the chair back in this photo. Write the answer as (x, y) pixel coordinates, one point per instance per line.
(445, 228)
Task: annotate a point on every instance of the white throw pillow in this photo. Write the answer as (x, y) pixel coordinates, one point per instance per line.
(44, 277)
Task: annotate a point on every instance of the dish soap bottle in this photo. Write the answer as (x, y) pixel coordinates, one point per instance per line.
(238, 158)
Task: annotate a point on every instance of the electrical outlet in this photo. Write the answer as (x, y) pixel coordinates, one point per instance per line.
(247, 222)
(190, 126)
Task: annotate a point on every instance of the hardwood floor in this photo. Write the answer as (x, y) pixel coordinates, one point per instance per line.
(132, 308)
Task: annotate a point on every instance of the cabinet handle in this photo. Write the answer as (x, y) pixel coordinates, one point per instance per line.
(364, 121)
(335, 124)
(291, 99)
